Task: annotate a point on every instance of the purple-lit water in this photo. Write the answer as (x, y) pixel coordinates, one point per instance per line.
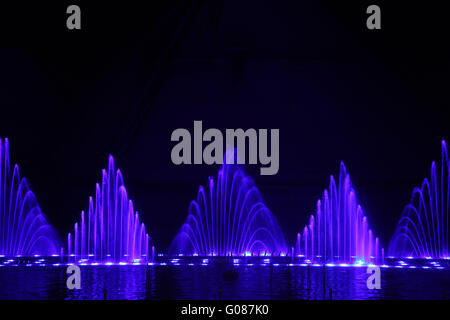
(110, 230)
(229, 217)
(423, 228)
(199, 281)
(24, 229)
(228, 228)
(339, 231)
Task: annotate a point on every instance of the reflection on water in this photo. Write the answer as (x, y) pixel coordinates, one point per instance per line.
(207, 282)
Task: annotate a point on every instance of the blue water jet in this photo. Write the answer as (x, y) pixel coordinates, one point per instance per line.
(423, 228)
(110, 230)
(228, 218)
(24, 230)
(339, 231)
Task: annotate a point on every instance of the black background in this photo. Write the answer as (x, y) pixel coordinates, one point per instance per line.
(376, 99)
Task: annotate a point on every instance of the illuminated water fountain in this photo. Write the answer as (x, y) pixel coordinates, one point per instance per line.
(110, 230)
(24, 230)
(339, 231)
(229, 217)
(423, 228)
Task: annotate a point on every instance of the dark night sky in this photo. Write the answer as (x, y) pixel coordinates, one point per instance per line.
(377, 100)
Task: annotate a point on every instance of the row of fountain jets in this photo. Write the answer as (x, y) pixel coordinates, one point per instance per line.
(228, 218)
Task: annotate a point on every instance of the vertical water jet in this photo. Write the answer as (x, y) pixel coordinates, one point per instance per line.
(339, 231)
(229, 218)
(24, 229)
(110, 229)
(422, 230)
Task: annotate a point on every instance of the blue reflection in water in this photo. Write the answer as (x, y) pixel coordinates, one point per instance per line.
(207, 282)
